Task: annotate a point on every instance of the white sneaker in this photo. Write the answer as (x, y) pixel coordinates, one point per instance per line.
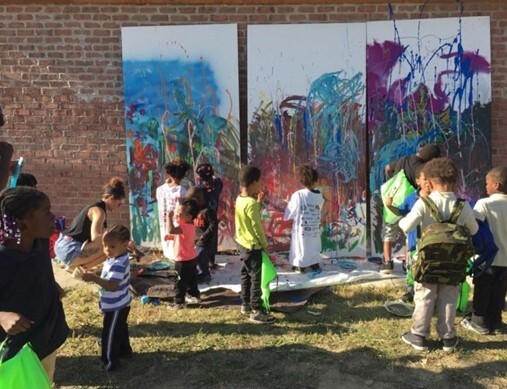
(192, 300)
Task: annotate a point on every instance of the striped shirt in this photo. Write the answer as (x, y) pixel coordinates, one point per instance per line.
(116, 269)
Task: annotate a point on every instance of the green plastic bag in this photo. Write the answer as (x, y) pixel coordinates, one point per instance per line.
(398, 188)
(268, 274)
(464, 292)
(23, 371)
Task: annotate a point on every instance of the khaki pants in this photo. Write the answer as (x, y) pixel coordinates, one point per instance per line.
(426, 297)
(48, 363)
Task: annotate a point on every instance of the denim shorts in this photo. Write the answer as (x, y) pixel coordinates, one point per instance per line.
(66, 249)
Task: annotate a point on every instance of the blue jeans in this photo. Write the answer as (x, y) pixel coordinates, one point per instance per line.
(66, 249)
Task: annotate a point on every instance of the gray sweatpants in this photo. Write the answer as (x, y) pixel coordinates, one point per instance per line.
(426, 297)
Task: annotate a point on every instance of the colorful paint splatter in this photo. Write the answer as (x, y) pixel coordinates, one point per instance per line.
(176, 107)
(429, 81)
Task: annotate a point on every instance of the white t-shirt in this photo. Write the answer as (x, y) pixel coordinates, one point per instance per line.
(420, 214)
(304, 208)
(493, 209)
(167, 199)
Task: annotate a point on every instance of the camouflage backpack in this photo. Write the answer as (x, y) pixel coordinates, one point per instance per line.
(444, 248)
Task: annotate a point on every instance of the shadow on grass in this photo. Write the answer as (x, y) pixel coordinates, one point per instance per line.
(288, 366)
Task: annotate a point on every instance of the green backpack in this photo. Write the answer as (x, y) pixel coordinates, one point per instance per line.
(444, 248)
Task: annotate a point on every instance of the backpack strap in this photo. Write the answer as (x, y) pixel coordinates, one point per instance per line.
(434, 212)
(456, 210)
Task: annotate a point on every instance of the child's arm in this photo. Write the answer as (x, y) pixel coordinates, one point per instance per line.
(14, 323)
(171, 228)
(389, 205)
(108, 285)
(255, 215)
(413, 218)
(212, 225)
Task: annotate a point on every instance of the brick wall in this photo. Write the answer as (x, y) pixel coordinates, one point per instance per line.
(61, 75)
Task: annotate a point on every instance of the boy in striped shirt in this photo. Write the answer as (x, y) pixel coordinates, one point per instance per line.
(114, 296)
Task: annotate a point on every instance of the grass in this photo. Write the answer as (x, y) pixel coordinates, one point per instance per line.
(353, 343)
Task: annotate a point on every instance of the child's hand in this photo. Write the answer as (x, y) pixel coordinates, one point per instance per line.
(169, 237)
(170, 214)
(88, 276)
(388, 201)
(14, 323)
(260, 196)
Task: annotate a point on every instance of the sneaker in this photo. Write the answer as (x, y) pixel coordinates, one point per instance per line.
(450, 344)
(177, 305)
(407, 297)
(416, 341)
(498, 329)
(315, 267)
(470, 325)
(404, 266)
(246, 309)
(387, 267)
(191, 300)
(298, 270)
(258, 317)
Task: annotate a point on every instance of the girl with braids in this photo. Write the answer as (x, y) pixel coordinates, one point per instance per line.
(168, 196)
(114, 296)
(30, 306)
(305, 209)
(88, 227)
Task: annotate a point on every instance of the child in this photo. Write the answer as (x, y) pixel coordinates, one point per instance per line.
(185, 256)
(168, 196)
(491, 287)
(206, 229)
(114, 296)
(30, 306)
(402, 210)
(212, 187)
(442, 175)
(305, 209)
(409, 165)
(251, 240)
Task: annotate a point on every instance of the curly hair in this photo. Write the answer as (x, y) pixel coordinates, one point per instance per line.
(441, 170)
(190, 207)
(176, 169)
(308, 176)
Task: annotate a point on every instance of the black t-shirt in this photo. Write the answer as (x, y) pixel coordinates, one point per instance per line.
(28, 287)
(409, 165)
(80, 228)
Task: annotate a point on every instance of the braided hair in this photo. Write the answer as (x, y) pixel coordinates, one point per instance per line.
(15, 204)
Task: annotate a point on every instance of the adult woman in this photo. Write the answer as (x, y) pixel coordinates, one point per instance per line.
(81, 244)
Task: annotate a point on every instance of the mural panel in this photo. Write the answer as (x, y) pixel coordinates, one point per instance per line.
(306, 104)
(429, 81)
(181, 101)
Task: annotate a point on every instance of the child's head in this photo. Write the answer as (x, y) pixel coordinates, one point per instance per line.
(115, 240)
(196, 193)
(308, 176)
(26, 179)
(496, 180)
(25, 212)
(176, 170)
(441, 171)
(205, 172)
(422, 182)
(428, 152)
(186, 211)
(249, 177)
(114, 194)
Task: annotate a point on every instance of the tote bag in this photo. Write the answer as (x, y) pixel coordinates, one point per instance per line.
(23, 371)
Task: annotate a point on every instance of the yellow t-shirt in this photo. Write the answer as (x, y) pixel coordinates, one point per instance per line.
(249, 231)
